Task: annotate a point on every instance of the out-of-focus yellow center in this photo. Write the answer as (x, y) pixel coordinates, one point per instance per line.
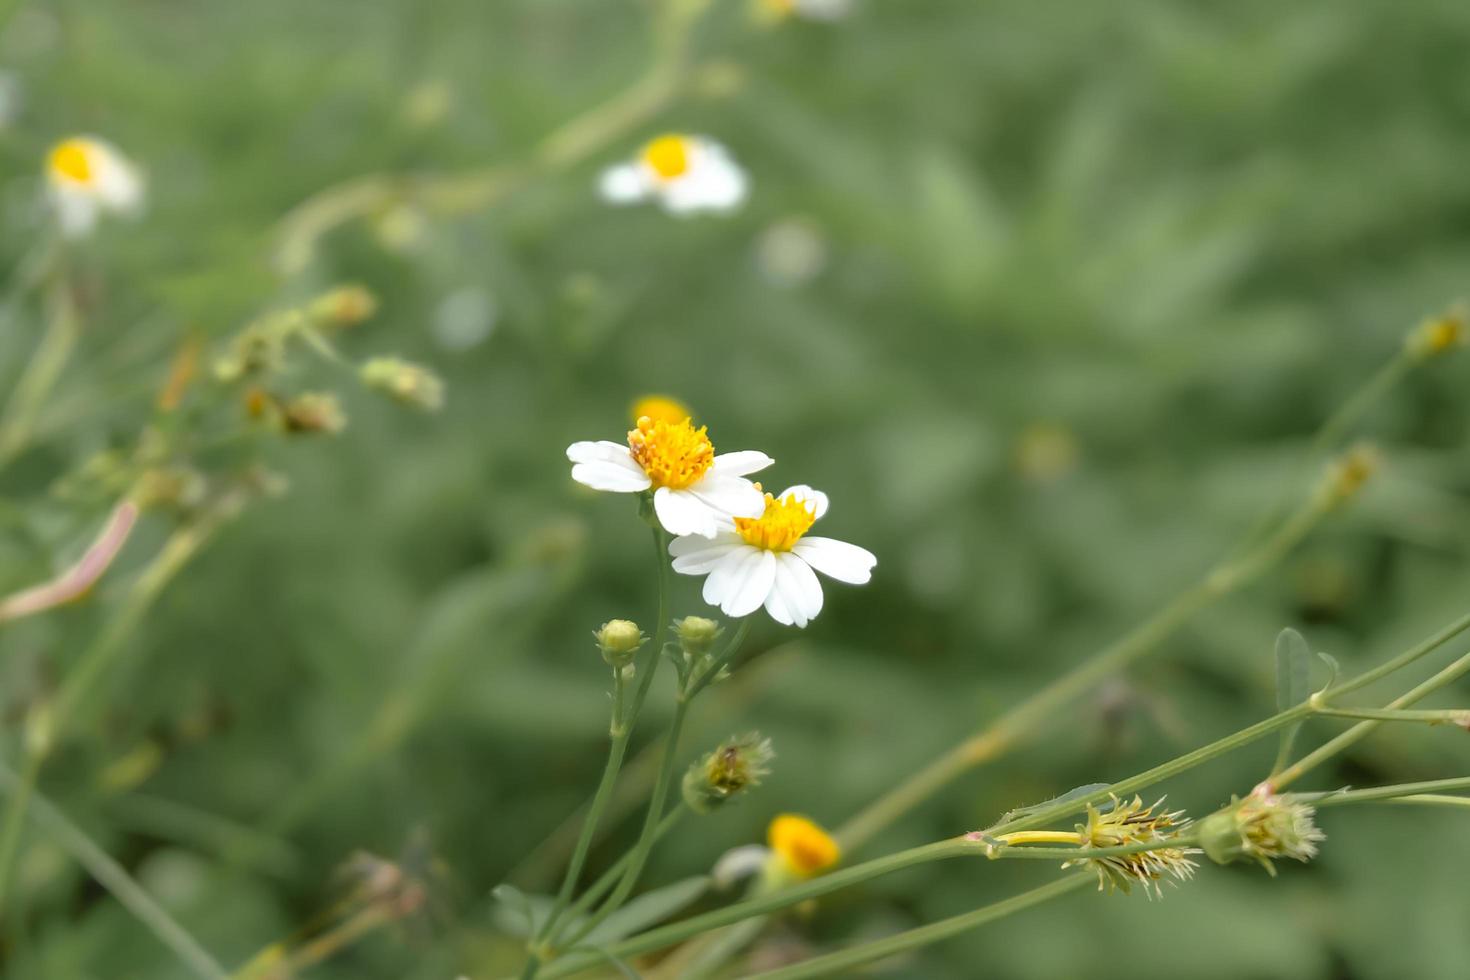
(673, 454)
(661, 408)
(781, 526)
(668, 156)
(806, 848)
(72, 159)
(774, 10)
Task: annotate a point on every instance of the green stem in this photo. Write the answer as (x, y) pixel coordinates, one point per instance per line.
(1383, 793)
(923, 935)
(21, 790)
(1036, 710)
(773, 901)
(1363, 729)
(1410, 655)
(1456, 716)
(624, 718)
(63, 327)
(111, 875)
(1432, 799)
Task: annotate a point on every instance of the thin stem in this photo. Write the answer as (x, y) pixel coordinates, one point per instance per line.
(998, 737)
(1410, 655)
(1382, 793)
(624, 717)
(924, 935)
(1455, 716)
(181, 546)
(1363, 729)
(772, 901)
(111, 875)
(1158, 773)
(644, 845)
(620, 732)
(1088, 853)
(614, 874)
(20, 792)
(1432, 799)
(63, 327)
(720, 660)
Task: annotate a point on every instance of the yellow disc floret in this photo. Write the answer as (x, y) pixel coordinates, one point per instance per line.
(781, 526)
(660, 408)
(804, 847)
(673, 454)
(72, 159)
(667, 156)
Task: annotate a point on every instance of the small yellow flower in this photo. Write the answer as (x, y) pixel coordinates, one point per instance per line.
(775, 11)
(803, 847)
(86, 177)
(661, 408)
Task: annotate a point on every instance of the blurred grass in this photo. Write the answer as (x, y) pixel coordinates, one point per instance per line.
(1177, 234)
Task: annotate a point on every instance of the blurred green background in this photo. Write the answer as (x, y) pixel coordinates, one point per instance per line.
(1049, 296)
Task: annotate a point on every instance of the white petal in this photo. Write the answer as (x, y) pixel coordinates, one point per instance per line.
(623, 184)
(600, 452)
(610, 477)
(694, 555)
(732, 495)
(681, 513)
(803, 492)
(738, 863)
(798, 585)
(741, 463)
(722, 576)
(713, 183)
(837, 559)
(777, 607)
(750, 583)
(76, 211)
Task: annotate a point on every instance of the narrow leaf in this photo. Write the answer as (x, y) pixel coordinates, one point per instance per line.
(1293, 685)
(649, 910)
(1067, 797)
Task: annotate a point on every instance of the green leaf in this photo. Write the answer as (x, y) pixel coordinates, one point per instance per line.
(649, 910)
(1072, 794)
(1293, 685)
(517, 913)
(1332, 665)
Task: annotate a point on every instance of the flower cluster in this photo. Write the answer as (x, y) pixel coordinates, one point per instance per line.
(1264, 827)
(1131, 824)
(752, 546)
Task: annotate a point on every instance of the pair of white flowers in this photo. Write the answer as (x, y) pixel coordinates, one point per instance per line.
(86, 178)
(752, 547)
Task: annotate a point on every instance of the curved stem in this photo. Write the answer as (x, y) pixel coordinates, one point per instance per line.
(1383, 794)
(773, 901)
(923, 935)
(63, 327)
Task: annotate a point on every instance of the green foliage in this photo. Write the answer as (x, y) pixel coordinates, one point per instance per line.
(1077, 283)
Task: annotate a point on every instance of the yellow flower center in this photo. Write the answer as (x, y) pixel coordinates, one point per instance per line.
(668, 156)
(806, 848)
(673, 454)
(71, 159)
(781, 526)
(661, 409)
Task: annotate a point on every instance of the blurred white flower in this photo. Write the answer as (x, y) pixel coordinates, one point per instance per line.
(791, 252)
(768, 560)
(777, 10)
(695, 492)
(465, 318)
(87, 177)
(686, 174)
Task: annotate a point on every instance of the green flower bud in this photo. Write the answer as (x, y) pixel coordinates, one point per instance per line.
(404, 382)
(345, 306)
(697, 635)
(737, 764)
(619, 640)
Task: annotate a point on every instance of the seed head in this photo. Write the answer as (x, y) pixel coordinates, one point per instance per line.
(406, 383)
(1263, 826)
(737, 764)
(1128, 823)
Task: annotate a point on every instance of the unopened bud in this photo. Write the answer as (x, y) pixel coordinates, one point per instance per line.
(1440, 334)
(1347, 474)
(619, 640)
(314, 412)
(697, 635)
(738, 764)
(345, 306)
(404, 382)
